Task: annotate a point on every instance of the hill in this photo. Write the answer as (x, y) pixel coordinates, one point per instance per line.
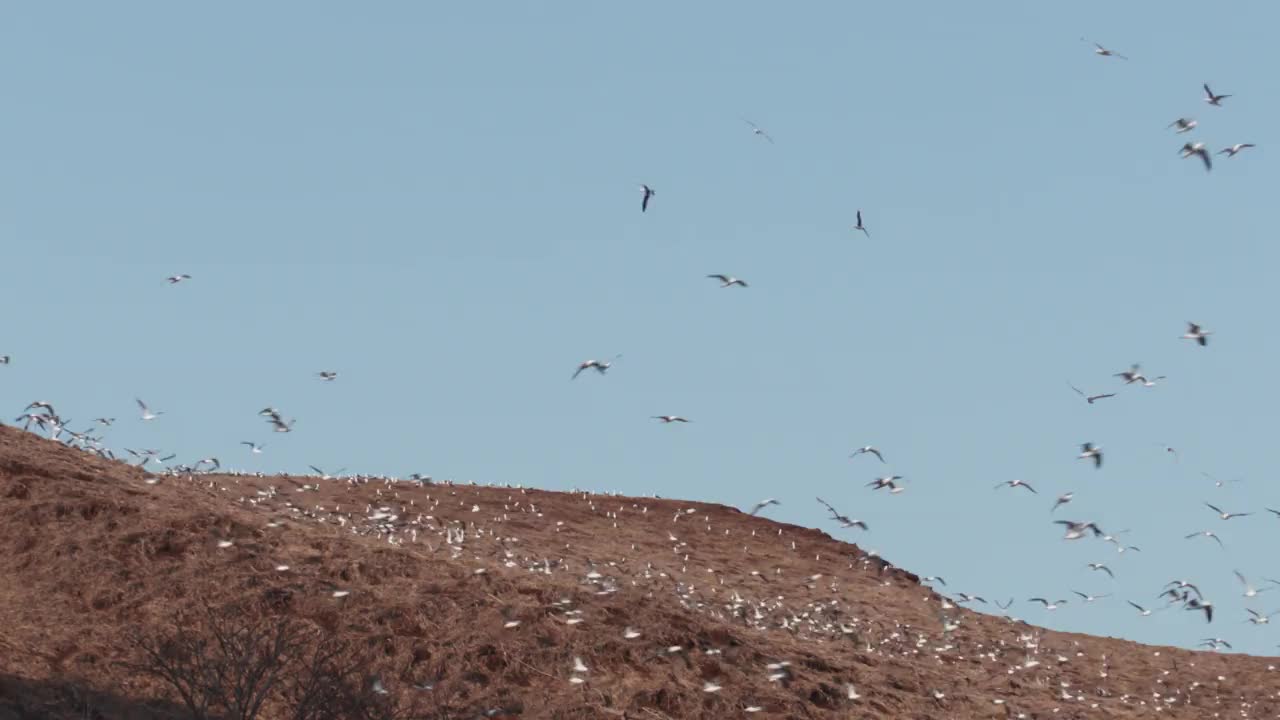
(465, 601)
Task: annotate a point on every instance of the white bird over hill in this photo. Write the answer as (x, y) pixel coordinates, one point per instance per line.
(763, 504)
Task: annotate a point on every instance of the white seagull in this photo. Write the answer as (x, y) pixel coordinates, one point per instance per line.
(1183, 125)
(1048, 605)
(845, 521)
(1063, 499)
(1226, 515)
(327, 375)
(1104, 568)
(670, 419)
(867, 449)
(763, 504)
(1075, 529)
(1235, 149)
(1090, 398)
(147, 414)
(1189, 149)
(1141, 610)
(727, 280)
(1016, 483)
(1099, 50)
(253, 447)
(755, 130)
(1249, 589)
(600, 366)
(1197, 333)
(887, 482)
(1088, 450)
(175, 279)
(1208, 534)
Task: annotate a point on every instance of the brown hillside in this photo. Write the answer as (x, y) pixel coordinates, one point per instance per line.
(91, 551)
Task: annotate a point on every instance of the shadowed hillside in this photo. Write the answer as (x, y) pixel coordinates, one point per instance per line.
(468, 601)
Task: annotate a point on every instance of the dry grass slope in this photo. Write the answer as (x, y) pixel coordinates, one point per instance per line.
(485, 595)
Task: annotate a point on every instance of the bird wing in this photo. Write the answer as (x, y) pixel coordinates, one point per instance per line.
(1207, 91)
(1078, 390)
(1136, 605)
(1215, 508)
(141, 404)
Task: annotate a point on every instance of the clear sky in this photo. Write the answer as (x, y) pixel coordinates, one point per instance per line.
(440, 202)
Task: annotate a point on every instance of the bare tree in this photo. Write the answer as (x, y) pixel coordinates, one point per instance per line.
(232, 662)
(224, 662)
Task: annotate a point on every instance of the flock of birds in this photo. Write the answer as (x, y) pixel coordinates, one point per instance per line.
(394, 525)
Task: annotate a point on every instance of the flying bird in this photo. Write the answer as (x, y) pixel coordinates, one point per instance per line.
(1104, 568)
(1063, 499)
(886, 482)
(1090, 598)
(1202, 605)
(763, 504)
(147, 414)
(1208, 534)
(1088, 450)
(755, 130)
(1197, 333)
(867, 449)
(1076, 530)
(1215, 100)
(253, 447)
(1141, 610)
(327, 375)
(846, 522)
(175, 279)
(1090, 398)
(1016, 483)
(1226, 515)
(1183, 125)
(727, 280)
(1099, 50)
(860, 226)
(1260, 619)
(1048, 605)
(648, 193)
(670, 419)
(1189, 149)
(1249, 589)
(1235, 149)
(600, 366)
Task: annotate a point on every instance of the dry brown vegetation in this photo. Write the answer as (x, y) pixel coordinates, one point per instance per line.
(120, 599)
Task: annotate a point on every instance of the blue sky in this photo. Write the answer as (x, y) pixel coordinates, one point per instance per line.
(440, 202)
